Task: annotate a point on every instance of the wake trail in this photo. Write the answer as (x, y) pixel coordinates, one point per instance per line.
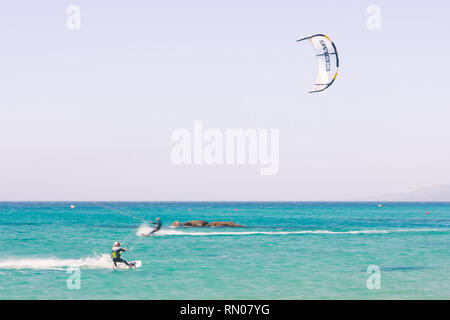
(167, 232)
(98, 262)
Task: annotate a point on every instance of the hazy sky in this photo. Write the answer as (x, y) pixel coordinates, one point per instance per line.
(88, 114)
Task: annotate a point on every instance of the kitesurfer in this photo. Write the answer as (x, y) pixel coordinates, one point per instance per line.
(157, 226)
(116, 250)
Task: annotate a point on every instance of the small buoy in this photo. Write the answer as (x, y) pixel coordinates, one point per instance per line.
(72, 206)
(380, 205)
(428, 212)
(189, 209)
(234, 209)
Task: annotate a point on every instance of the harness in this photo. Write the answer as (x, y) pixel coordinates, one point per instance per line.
(115, 254)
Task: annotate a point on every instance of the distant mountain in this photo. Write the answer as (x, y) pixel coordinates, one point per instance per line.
(434, 193)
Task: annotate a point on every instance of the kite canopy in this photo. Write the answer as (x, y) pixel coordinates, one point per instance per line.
(328, 59)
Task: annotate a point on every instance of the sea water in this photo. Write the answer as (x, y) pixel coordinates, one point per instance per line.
(291, 250)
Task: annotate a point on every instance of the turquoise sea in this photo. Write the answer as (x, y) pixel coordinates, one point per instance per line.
(290, 250)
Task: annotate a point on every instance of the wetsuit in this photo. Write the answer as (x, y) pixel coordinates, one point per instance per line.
(116, 256)
(157, 227)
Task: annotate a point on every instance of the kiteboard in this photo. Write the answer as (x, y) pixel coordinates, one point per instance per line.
(134, 264)
(145, 232)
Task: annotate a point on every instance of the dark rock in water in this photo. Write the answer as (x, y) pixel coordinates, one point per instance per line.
(176, 224)
(202, 223)
(223, 224)
(195, 223)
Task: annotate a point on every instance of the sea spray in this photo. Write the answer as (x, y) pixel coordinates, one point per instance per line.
(97, 262)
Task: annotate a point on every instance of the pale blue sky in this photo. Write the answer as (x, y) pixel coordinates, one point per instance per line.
(87, 115)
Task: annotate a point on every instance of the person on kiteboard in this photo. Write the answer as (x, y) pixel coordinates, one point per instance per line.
(115, 255)
(157, 225)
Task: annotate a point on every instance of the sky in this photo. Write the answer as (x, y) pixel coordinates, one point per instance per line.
(87, 115)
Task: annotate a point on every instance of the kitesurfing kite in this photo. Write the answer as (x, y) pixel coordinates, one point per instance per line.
(327, 56)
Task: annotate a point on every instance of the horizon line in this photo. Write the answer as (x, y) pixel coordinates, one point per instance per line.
(231, 201)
